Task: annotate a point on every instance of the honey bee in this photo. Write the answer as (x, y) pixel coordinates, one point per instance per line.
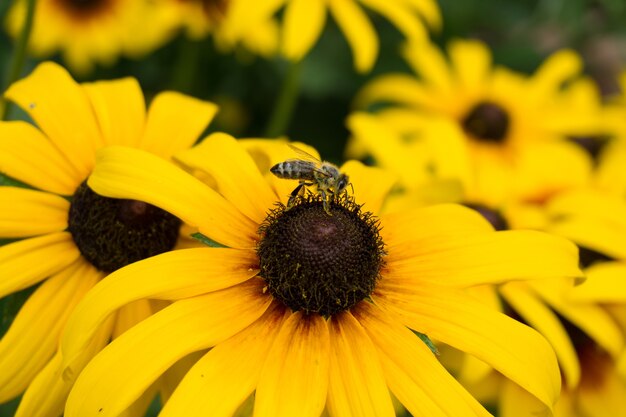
(311, 171)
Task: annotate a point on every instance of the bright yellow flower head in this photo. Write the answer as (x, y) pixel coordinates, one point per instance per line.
(497, 131)
(304, 21)
(308, 311)
(88, 32)
(231, 22)
(68, 237)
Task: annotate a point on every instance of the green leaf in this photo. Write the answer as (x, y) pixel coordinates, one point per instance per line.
(207, 241)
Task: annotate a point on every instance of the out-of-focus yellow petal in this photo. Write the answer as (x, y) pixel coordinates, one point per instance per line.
(62, 110)
(303, 22)
(120, 110)
(26, 212)
(515, 402)
(236, 175)
(175, 122)
(401, 16)
(118, 375)
(412, 371)
(28, 261)
(429, 10)
(605, 283)
(427, 60)
(131, 173)
(514, 349)
(371, 185)
(543, 319)
(395, 88)
(299, 355)
(47, 394)
(28, 156)
(471, 60)
(171, 275)
(591, 318)
(481, 259)
(358, 30)
(221, 380)
(558, 68)
(34, 334)
(357, 384)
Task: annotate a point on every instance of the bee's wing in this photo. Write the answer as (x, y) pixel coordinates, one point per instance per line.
(304, 154)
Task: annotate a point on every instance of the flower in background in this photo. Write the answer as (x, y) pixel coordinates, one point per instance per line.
(88, 32)
(68, 237)
(304, 20)
(486, 124)
(231, 22)
(304, 310)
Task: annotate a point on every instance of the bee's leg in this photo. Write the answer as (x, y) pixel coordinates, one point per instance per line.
(326, 201)
(296, 191)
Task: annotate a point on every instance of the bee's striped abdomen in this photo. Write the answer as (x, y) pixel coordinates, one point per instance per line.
(294, 170)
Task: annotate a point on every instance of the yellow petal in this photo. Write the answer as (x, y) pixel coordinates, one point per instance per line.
(554, 71)
(413, 373)
(118, 375)
(441, 222)
(303, 22)
(483, 258)
(357, 384)
(130, 314)
(220, 382)
(395, 88)
(28, 261)
(515, 402)
(401, 16)
(34, 334)
(28, 156)
(455, 318)
(428, 61)
(471, 60)
(604, 284)
(545, 321)
(27, 212)
(175, 122)
(371, 185)
(135, 174)
(120, 110)
(47, 394)
(294, 379)
(171, 275)
(235, 172)
(62, 110)
(358, 30)
(591, 318)
(429, 10)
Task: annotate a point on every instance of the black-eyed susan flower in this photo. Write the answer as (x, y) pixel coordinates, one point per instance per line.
(305, 310)
(303, 22)
(88, 32)
(231, 22)
(67, 236)
(489, 124)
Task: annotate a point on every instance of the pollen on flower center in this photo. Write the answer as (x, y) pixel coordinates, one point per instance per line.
(111, 233)
(488, 122)
(317, 263)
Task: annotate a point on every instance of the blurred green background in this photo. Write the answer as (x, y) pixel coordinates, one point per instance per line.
(520, 32)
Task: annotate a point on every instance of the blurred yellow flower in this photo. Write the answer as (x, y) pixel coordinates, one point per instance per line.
(497, 131)
(306, 310)
(88, 32)
(304, 20)
(68, 237)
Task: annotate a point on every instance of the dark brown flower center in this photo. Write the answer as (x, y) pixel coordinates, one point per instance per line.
(84, 9)
(320, 263)
(111, 233)
(487, 122)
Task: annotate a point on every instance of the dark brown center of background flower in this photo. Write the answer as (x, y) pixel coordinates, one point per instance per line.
(487, 122)
(83, 9)
(492, 215)
(111, 233)
(215, 10)
(319, 263)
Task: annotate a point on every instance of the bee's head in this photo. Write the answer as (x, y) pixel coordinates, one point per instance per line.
(342, 183)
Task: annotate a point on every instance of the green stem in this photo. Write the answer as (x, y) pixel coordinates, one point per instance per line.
(19, 54)
(281, 116)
